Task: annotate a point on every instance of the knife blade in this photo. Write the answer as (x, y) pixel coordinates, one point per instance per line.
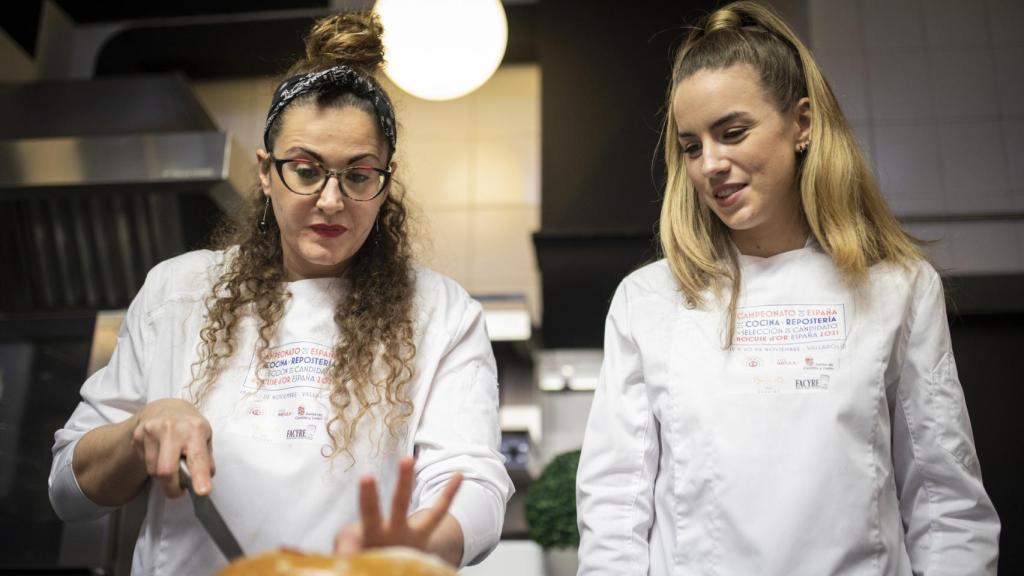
(209, 517)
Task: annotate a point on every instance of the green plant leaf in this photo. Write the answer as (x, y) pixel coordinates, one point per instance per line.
(551, 504)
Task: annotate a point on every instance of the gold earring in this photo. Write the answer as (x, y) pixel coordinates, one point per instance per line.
(802, 147)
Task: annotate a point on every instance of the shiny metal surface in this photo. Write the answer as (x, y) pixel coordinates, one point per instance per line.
(186, 157)
(87, 217)
(209, 517)
(89, 251)
(101, 179)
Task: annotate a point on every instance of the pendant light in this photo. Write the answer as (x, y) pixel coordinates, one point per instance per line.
(442, 49)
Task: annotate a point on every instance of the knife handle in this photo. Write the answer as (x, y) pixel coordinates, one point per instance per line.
(184, 477)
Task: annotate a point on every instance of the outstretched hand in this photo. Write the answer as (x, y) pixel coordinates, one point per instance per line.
(400, 529)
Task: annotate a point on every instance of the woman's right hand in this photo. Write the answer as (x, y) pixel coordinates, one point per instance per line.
(167, 430)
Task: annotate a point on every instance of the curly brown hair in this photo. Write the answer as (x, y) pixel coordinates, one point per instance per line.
(373, 360)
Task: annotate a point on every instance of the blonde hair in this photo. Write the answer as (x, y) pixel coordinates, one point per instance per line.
(841, 201)
(373, 361)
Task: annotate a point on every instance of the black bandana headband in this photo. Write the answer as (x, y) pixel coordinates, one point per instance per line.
(336, 77)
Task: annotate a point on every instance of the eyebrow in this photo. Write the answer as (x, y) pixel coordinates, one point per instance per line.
(320, 158)
(716, 124)
(305, 151)
(355, 159)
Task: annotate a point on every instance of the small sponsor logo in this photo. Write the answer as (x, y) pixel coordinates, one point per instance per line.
(302, 410)
(812, 363)
(820, 383)
(300, 433)
(769, 384)
(753, 362)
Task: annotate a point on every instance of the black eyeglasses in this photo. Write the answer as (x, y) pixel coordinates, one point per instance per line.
(309, 177)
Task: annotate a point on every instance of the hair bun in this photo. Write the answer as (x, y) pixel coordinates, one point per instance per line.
(724, 19)
(741, 15)
(352, 38)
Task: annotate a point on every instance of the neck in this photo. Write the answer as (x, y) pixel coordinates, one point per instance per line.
(766, 242)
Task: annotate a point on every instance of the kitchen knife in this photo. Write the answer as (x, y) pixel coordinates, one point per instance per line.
(208, 516)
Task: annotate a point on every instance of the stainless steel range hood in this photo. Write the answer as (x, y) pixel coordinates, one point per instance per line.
(171, 161)
(102, 179)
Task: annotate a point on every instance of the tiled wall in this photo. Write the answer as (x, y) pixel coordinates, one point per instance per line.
(471, 167)
(934, 89)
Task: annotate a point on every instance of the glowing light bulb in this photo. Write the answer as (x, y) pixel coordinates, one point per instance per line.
(442, 49)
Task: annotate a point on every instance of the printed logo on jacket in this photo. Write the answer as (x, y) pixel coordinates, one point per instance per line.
(286, 398)
(786, 348)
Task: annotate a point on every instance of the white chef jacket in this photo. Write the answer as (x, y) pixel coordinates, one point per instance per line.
(273, 484)
(832, 438)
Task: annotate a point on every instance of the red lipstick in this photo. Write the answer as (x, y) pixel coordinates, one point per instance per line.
(328, 230)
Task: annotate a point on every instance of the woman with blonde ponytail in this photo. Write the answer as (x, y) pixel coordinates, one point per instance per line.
(305, 354)
(779, 395)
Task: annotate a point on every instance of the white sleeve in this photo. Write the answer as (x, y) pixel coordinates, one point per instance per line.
(615, 480)
(459, 432)
(951, 525)
(109, 396)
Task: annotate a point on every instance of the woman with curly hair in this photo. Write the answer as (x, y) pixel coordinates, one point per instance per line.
(779, 395)
(305, 361)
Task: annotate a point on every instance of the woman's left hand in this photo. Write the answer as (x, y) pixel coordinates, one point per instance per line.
(429, 529)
